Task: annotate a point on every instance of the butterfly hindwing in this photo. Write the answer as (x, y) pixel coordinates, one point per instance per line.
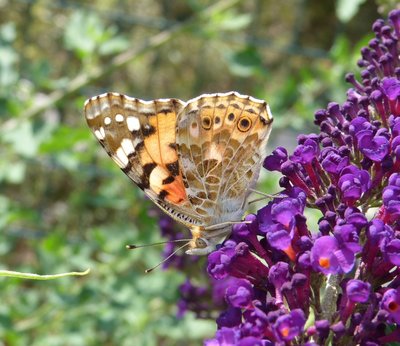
(222, 142)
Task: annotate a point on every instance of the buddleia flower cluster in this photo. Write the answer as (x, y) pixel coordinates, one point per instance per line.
(285, 283)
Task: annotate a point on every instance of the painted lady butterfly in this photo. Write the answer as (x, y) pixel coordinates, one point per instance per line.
(196, 160)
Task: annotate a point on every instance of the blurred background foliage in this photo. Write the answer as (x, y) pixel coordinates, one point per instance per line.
(65, 206)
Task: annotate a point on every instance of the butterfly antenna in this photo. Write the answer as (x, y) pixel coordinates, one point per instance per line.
(133, 247)
(167, 258)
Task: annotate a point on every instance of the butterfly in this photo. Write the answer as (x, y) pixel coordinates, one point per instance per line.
(196, 160)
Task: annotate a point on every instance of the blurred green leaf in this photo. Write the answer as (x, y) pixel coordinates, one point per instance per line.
(85, 34)
(8, 33)
(347, 9)
(245, 63)
(8, 58)
(26, 136)
(112, 46)
(231, 20)
(12, 172)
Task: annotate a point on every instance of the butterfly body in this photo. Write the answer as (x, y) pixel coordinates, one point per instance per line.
(196, 160)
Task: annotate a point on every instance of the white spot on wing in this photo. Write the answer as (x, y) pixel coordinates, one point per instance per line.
(133, 123)
(214, 153)
(158, 174)
(107, 121)
(98, 135)
(119, 118)
(127, 146)
(120, 158)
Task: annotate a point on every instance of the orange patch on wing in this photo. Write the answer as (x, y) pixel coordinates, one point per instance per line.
(176, 191)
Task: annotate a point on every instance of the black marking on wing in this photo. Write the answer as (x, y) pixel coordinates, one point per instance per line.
(173, 168)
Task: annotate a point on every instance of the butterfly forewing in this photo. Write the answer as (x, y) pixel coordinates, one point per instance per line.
(140, 137)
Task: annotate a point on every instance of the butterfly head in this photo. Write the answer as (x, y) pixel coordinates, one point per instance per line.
(200, 246)
(204, 242)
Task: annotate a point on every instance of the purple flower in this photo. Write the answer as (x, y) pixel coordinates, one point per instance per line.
(359, 125)
(391, 197)
(253, 341)
(281, 221)
(358, 291)
(391, 88)
(255, 322)
(353, 183)
(329, 257)
(391, 303)
(287, 327)
(240, 294)
(224, 337)
(391, 251)
(333, 161)
(220, 260)
(278, 275)
(274, 161)
(306, 152)
(191, 298)
(231, 317)
(236, 260)
(373, 147)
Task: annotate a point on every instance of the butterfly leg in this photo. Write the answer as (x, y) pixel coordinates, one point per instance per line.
(265, 195)
(224, 225)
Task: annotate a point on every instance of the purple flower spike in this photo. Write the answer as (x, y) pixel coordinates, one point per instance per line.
(287, 327)
(272, 269)
(391, 303)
